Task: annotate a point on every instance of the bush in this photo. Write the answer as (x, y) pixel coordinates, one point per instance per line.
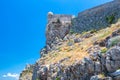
(93, 31)
(71, 31)
(37, 79)
(58, 20)
(104, 50)
(110, 19)
(114, 41)
(57, 78)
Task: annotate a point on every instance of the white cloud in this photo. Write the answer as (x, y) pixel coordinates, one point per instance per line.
(12, 75)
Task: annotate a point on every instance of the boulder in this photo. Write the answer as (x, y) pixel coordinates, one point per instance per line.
(94, 78)
(113, 59)
(115, 75)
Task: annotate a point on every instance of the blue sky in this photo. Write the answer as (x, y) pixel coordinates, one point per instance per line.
(22, 29)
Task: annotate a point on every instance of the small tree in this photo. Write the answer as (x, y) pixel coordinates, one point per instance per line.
(58, 20)
(110, 18)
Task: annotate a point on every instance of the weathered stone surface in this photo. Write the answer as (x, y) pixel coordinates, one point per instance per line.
(94, 78)
(86, 68)
(113, 41)
(102, 78)
(27, 73)
(77, 40)
(57, 28)
(115, 75)
(112, 59)
(95, 18)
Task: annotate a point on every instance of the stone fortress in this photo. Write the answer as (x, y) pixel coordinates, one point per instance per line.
(95, 18)
(98, 17)
(59, 27)
(92, 19)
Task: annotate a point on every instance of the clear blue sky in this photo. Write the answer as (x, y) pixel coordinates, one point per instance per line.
(22, 29)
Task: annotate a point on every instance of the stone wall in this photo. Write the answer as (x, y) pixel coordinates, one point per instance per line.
(62, 17)
(97, 18)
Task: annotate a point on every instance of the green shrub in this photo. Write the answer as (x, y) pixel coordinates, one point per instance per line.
(84, 32)
(71, 31)
(37, 79)
(57, 78)
(104, 50)
(93, 31)
(114, 41)
(58, 20)
(110, 19)
(72, 22)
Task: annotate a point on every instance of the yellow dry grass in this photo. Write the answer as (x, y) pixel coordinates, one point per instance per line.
(78, 50)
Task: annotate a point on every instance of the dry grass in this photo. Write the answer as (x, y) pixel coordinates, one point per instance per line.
(78, 50)
(101, 76)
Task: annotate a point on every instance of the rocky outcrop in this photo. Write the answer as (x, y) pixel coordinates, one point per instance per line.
(58, 27)
(90, 68)
(106, 64)
(56, 30)
(99, 65)
(27, 73)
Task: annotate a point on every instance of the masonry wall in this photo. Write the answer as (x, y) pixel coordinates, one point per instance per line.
(62, 17)
(96, 18)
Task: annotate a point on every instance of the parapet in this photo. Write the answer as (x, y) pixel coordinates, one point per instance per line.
(62, 17)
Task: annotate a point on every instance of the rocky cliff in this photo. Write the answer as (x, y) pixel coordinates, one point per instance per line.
(86, 47)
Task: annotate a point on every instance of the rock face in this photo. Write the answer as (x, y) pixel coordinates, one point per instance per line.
(57, 29)
(106, 64)
(113, 59)
(27, 73)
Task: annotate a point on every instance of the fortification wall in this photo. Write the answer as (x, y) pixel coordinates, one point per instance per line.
(62, 17)
(98, 17)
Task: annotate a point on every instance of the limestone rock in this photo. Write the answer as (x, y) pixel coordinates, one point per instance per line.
(113, 59)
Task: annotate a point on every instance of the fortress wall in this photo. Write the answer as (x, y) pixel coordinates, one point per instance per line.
(54, 17)
(96, 18)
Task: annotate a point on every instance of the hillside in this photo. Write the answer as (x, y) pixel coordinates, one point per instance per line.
(86, 47)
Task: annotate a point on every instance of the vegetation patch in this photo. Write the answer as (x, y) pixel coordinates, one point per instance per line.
(77, 51)
(110, 19)
(93, 31)
(102, 75)
(114, 41)
(104, 50)
(71, 31)
(58, 20)
(37, 79)
(57, 78)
